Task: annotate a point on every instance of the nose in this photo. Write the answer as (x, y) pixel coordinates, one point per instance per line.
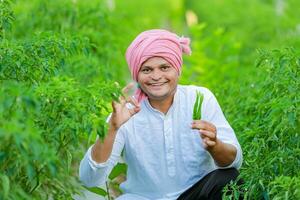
(156, 75)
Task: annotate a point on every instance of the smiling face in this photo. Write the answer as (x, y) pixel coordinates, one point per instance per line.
(158, 79)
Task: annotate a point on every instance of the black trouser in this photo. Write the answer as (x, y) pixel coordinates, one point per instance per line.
(210, 186)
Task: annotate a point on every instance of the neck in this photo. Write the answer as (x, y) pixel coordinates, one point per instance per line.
(162, 105)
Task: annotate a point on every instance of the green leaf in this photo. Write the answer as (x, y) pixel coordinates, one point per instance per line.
(30, 171)
(265, 195)
(120, 168)
(97, 190)
(5, 185)
(69, 160)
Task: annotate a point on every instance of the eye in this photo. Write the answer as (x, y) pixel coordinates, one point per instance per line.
(165, 68)
(146, 70)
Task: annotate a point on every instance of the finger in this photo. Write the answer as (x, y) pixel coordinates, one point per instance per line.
(198, 124)
(204, 143)
(210, 143)
(137, 109)
(209, 134)
(133, 101)
(134, 110)
(127, 88)
(210, 126)
(201, 124)
(113, 103)
(122, 100)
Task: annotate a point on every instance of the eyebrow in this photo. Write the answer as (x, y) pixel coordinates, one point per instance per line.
(161, 65)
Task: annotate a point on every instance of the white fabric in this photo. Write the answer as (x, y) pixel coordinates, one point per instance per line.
(164, 155)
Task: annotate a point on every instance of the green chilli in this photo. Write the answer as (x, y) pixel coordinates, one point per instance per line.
(197, 106)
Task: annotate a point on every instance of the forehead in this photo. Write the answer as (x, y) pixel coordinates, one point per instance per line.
(155, 62)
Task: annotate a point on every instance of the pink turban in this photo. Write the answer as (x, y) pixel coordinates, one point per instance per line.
(155, 43)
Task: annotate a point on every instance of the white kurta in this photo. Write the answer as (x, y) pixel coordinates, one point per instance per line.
(164, 155)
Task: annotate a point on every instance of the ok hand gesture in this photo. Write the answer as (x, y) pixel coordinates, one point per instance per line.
(121, 112)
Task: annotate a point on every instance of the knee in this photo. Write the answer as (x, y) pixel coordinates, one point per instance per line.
(224, 176)
(230, 172)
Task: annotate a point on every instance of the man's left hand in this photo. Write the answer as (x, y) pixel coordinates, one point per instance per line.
(208, 133)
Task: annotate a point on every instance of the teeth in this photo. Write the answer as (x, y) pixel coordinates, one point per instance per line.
(157, 84)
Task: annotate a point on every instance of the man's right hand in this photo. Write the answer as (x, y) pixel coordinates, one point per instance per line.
(121, 113)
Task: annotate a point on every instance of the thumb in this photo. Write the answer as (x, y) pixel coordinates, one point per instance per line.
(114, 106)
(136, 109)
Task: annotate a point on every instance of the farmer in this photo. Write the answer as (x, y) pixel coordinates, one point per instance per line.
(169, 155)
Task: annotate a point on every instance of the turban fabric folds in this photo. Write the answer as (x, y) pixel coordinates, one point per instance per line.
(155, 43)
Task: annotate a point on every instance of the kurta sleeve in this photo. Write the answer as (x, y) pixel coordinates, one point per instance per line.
(212, 112)
(94, 174)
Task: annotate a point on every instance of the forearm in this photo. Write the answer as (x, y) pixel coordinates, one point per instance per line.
(101, 158)
(102, 149)
(223, 153)
(91, 173)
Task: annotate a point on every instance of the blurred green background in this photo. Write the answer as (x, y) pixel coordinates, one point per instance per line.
(59, 60)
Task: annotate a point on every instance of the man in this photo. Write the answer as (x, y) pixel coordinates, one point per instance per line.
(169, 155)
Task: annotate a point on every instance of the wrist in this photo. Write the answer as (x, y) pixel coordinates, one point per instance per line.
(112, 129)
(214, 149)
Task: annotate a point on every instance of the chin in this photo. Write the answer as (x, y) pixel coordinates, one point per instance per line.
(159, 96)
